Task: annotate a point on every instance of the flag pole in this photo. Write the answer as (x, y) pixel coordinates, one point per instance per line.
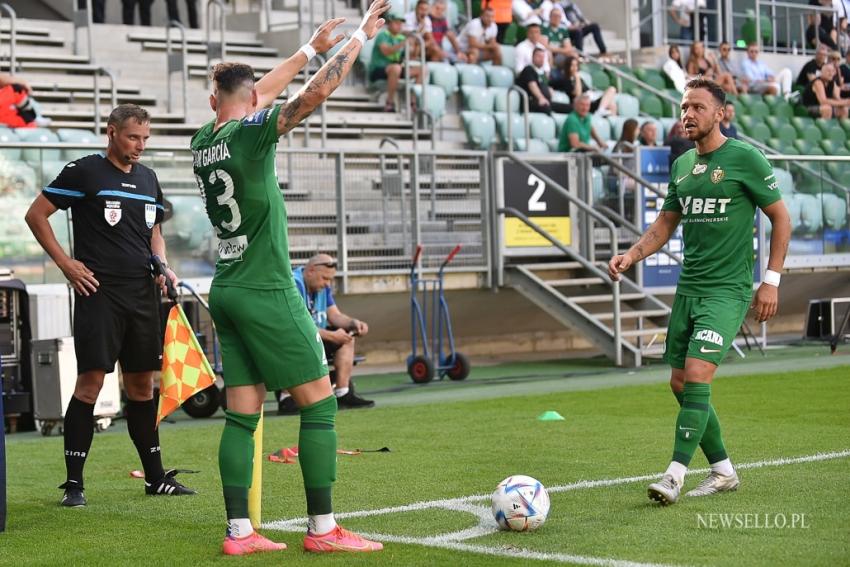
(255, 493)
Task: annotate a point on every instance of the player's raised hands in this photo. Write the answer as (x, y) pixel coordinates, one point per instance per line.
(323, 38)
(766, 302)
(373, 21)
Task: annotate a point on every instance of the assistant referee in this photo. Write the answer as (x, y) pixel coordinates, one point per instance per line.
(117, 207)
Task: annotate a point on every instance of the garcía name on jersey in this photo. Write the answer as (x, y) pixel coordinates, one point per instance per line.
(211, 155)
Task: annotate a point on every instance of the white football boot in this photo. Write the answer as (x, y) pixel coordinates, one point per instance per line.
(716, 482)
(665, 491)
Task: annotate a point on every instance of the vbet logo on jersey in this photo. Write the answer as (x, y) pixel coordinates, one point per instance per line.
(112, 212)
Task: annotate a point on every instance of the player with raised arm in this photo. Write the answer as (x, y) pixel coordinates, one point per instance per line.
(714, 191)
(267, 337)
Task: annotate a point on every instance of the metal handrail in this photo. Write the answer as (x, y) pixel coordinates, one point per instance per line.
(114, 91)
(423, 75)
(622, 75)
(606, 222)
(523, 97)
(176, 62)
(215, 50)
(82, 19)
(13, 34)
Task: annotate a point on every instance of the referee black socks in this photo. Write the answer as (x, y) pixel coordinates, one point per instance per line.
(141, 424)
(79, 430)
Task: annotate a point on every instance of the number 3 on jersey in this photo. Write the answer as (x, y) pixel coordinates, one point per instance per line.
(226, 199)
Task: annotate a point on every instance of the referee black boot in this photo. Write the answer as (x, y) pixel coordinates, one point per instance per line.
(74, 496)
(167, 486)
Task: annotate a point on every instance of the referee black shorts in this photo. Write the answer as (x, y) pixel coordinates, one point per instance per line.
(120, 321)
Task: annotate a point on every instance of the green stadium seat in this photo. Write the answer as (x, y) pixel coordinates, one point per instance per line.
(597, 180)
(744, 122)
(746, 99)
(784, 180)
(807, 148)
(472, 75)
(772, 100)
(832, 131)
(617, 126)
(652, 77)
(509, 56)
(75, 136)
(499, 76)
(560, 96)
(602, 127)
(586, 77)
(477, 98)
(785, 133)
(480, 128)
(651, 105)
(553, 144)
(435, 101)
(7, 136)
(834, 211)
(517, 128)
(758, 109)
(501, 97)
(534, 146)
(794, 206)
(627, 105)
(832, 148)
(542, 126)
(443, 75)
(35, 156)
(560, 119)
(807, 130)
(601, 79)
(760, 131)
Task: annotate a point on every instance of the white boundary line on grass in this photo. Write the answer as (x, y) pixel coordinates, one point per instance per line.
(487, 524)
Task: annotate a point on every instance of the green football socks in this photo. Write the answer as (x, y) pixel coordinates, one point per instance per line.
(236, 461)
(692, 421)
(712, 440)
(317, 454)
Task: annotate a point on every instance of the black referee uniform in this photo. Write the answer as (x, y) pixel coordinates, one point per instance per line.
(113, 217)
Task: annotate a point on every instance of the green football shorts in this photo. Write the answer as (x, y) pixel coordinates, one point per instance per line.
(267, 337)
(703, 327)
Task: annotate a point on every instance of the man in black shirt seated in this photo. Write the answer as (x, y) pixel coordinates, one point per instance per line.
(534, 81)
(811, 70)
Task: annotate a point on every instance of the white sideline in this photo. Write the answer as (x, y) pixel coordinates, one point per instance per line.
(487, 525)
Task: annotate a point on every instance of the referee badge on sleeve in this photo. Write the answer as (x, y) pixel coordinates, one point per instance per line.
(112, 212)
(150, 215)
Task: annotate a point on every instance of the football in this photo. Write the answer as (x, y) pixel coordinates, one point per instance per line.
(520, 503)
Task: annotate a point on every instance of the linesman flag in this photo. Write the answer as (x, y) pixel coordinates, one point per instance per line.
(185, 368)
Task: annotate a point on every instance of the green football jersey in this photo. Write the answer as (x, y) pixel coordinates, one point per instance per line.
(235, 170)
(717, 195)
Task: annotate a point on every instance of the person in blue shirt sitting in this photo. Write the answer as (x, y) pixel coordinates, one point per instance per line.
(338, 331)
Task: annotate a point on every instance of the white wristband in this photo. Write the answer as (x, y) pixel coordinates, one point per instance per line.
(360, 36)
(771, 278)
(308, 51)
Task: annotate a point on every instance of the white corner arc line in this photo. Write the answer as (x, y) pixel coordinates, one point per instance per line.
(464, 504)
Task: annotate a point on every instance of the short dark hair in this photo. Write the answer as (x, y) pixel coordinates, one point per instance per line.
(529, 26)
(536, 49)
(422, 2)
(699, 83)
(123, 112)
(728, 103)
(229, 77)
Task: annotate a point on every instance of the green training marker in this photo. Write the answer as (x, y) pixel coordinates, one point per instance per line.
(550, 416)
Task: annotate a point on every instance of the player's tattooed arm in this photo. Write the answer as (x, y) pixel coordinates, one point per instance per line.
(656, 236)
(330, 76)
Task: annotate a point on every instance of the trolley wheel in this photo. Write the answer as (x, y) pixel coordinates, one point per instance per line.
(460, 367)
(102, 424)
(45, 427)
(203, 404)
(421, 370)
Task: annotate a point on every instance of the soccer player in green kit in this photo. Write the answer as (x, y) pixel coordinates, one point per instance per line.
(268, 338)
(714, 191)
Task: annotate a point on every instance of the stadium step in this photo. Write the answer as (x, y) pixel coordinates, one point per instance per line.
(603, 298)
(636, 333)
(232, 49)
(633, 314)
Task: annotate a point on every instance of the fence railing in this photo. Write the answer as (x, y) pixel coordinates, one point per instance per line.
(13, 35)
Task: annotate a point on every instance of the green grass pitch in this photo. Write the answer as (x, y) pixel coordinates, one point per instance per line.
(458, 440)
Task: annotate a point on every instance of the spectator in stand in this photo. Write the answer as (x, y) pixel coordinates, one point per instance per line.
(682, 12)
(128, 12)
(443, 35)
(557, 39)
(191, 9)
(761, 77)
(822, 97)
(603, 102)
(578, 129)
(418, 22)
(844, 72)
(702, 63)
(502, 14)
(535, 81)
(628, 137)
(674, 69)
(822, 27)
(527, 12)
(727, 65)
(525, 49)
(648, 134)
(387, 58)
(16, 105)
(579, 27)
(678, 141)
(478, 39)
(97, 9)
(811, 70)
(727, 128)
(625, 145)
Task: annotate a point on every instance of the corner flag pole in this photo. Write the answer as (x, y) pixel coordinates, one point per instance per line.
(2, 459)
(255, 493)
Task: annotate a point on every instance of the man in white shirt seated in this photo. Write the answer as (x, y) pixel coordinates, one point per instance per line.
(761, 78)
(525, 49)
(478, 39)
(418, 22)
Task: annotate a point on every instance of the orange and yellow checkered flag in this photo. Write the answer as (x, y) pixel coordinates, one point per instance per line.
(185, 369)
